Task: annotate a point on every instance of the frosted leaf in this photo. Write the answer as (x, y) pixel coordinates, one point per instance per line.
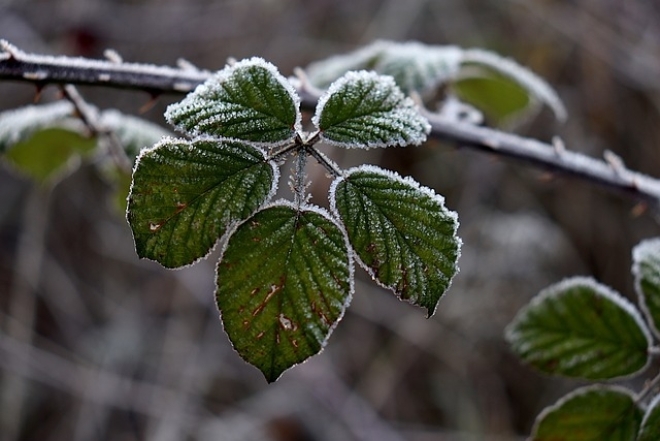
(18, 125)
(325, 72)
(133, 133)
(364, 110)
(414, 66)
(650, 430)
(418, 67)
(424, 68)
(580, 328)
(284, 281)
(248, 101)
(185, 194)
(48, 154)
(646, 271)
(401, 232)
(594, 413)
(536, 86)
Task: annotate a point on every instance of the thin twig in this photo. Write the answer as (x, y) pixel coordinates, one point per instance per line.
(648, 388)
(89, 117)
(41, 70)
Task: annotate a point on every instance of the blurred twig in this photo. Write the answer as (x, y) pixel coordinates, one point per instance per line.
(41, 70)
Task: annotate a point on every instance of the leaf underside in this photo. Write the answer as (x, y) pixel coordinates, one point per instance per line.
(186, 193)
(283, 282)
(249, 101)
(591, 414)
(365, 110)
(582, 329)
(403, 234)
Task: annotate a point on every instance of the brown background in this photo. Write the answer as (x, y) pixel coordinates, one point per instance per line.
(97, 345)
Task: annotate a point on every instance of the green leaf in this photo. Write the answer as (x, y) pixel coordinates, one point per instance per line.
(134, 133)
(536, 87)
(284, 281)
(185, 194)
(21, 124)
(596, 413)
(646, 270)
(579, 328)
(498, 96)
(414, 66)
(248, 101)
(402, 233)
(424, 68)
(651, 424)
(48, 152)
(365, 110)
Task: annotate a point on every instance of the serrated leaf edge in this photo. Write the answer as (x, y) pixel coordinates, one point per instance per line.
(351, 266)
(407, 181)
(604, 290)
(230, 227)
(406, 104)
(571, 395)
(222, 76)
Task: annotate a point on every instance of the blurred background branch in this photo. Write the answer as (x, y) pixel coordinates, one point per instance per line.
(96, 344)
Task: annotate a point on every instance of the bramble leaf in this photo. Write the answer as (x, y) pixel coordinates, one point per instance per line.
(365, 110)
(536, 87)
(650, 430)
(45, 153)
(579, 328)
(596, 413)
(414, 66)
(20, 124)
(402, 233)
(646, 270)
(283, 282)
(424, 68)
(185, 194)
(247, 101)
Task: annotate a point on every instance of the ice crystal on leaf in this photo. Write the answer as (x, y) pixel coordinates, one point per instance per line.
(401, 232)
(185, 194)
(283, 283)
(604, 413)
(18, 125)
(580, 328)
(363, 109)
(424, 69)
(246, 101)
(285, 276)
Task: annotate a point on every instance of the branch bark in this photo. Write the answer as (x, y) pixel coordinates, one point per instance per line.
(610, 173)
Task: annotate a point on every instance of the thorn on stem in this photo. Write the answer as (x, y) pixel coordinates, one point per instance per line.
(186, 65)
(559, 146)
(153, 99)
(9, 49)
(113, 56)
(615, 162)
(37, 93)
(639, 209)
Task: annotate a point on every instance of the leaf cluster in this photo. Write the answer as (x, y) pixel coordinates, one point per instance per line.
(285, 275)
(580, 328)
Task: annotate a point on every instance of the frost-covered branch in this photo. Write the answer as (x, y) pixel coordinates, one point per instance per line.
(42, 70)
(610, 172)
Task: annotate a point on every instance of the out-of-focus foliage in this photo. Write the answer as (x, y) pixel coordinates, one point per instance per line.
(97, 345)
